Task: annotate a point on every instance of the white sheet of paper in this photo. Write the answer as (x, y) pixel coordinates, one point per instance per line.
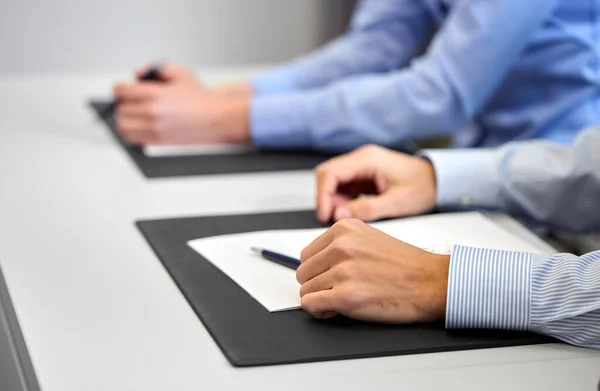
(191, 150)
(275, 286)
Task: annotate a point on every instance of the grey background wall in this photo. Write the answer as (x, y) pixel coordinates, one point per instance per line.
(111, 35)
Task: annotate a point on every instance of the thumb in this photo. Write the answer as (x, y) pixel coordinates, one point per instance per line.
(368, 208)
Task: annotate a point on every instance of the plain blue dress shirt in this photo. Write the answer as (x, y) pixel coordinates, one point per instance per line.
(495, 71)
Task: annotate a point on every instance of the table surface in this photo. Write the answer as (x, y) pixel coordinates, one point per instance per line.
(99, 312)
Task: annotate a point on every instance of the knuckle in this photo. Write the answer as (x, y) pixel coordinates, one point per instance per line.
(301, 275)
(342, 225)
(303, 290)
(337, 228)
(308, 305)
(340, 248)
(370, 149)
(118, 89)
(350, 224)
(345, 272)
(356, 223)
(354, 297)
(324, 171)
(154, 127)
(321, 170)
(305, 255)
(153, 110)
(124, 126)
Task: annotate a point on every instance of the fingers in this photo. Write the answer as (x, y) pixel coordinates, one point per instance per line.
(136, 130)
(147, 110)
(321, 282)
(324, 272)
(332, 174)
(136, 91)
(321, 304)
(315, 266)
(328, 249)
(142, 138)
(130, 125)
(361, 166)
(137, 122)
(370, 208)
(316, 246)
(327, 184)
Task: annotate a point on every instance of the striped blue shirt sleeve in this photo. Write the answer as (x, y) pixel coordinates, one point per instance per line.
(555, 295)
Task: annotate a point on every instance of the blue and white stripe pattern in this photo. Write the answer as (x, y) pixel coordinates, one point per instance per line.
(556, 295)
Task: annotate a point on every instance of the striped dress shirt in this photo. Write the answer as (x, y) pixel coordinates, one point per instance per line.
(542, 182)
(556, 295)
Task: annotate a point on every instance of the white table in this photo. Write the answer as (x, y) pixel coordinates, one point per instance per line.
(98, 311)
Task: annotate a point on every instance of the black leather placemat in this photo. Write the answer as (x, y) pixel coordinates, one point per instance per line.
(249, 335)
(173, 166)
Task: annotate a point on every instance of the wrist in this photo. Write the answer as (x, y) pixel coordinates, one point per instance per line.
(439, 288)
(442, 294)
(232, 120)
(234, 90)
(428, 179)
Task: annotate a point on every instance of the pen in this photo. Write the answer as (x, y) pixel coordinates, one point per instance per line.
(153, 74)
(281, 259)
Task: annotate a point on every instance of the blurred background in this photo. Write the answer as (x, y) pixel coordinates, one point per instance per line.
(60, 36)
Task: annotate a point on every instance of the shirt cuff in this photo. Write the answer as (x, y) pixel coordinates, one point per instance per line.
(489, 289)
(465, 177)
(277, 81)
(281, 121)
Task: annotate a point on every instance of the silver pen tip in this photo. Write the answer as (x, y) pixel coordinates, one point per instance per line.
(256, 250)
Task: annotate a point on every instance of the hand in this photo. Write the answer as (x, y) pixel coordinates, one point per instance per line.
(234, 90)
(403, 185)
(179, 110)
(359, 272)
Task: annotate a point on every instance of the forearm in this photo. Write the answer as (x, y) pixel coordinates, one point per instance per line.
(438, 94)
(381, 109)
(554, 295)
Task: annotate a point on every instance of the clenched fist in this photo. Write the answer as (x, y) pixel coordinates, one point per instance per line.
(359, 272)
(179, 109)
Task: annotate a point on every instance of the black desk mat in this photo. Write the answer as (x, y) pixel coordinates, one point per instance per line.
(249, 335)
(174, 166)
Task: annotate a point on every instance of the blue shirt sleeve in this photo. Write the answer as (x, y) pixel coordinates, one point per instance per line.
(383, 35)
(541, 181)
(556, 295)
(437, 94)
